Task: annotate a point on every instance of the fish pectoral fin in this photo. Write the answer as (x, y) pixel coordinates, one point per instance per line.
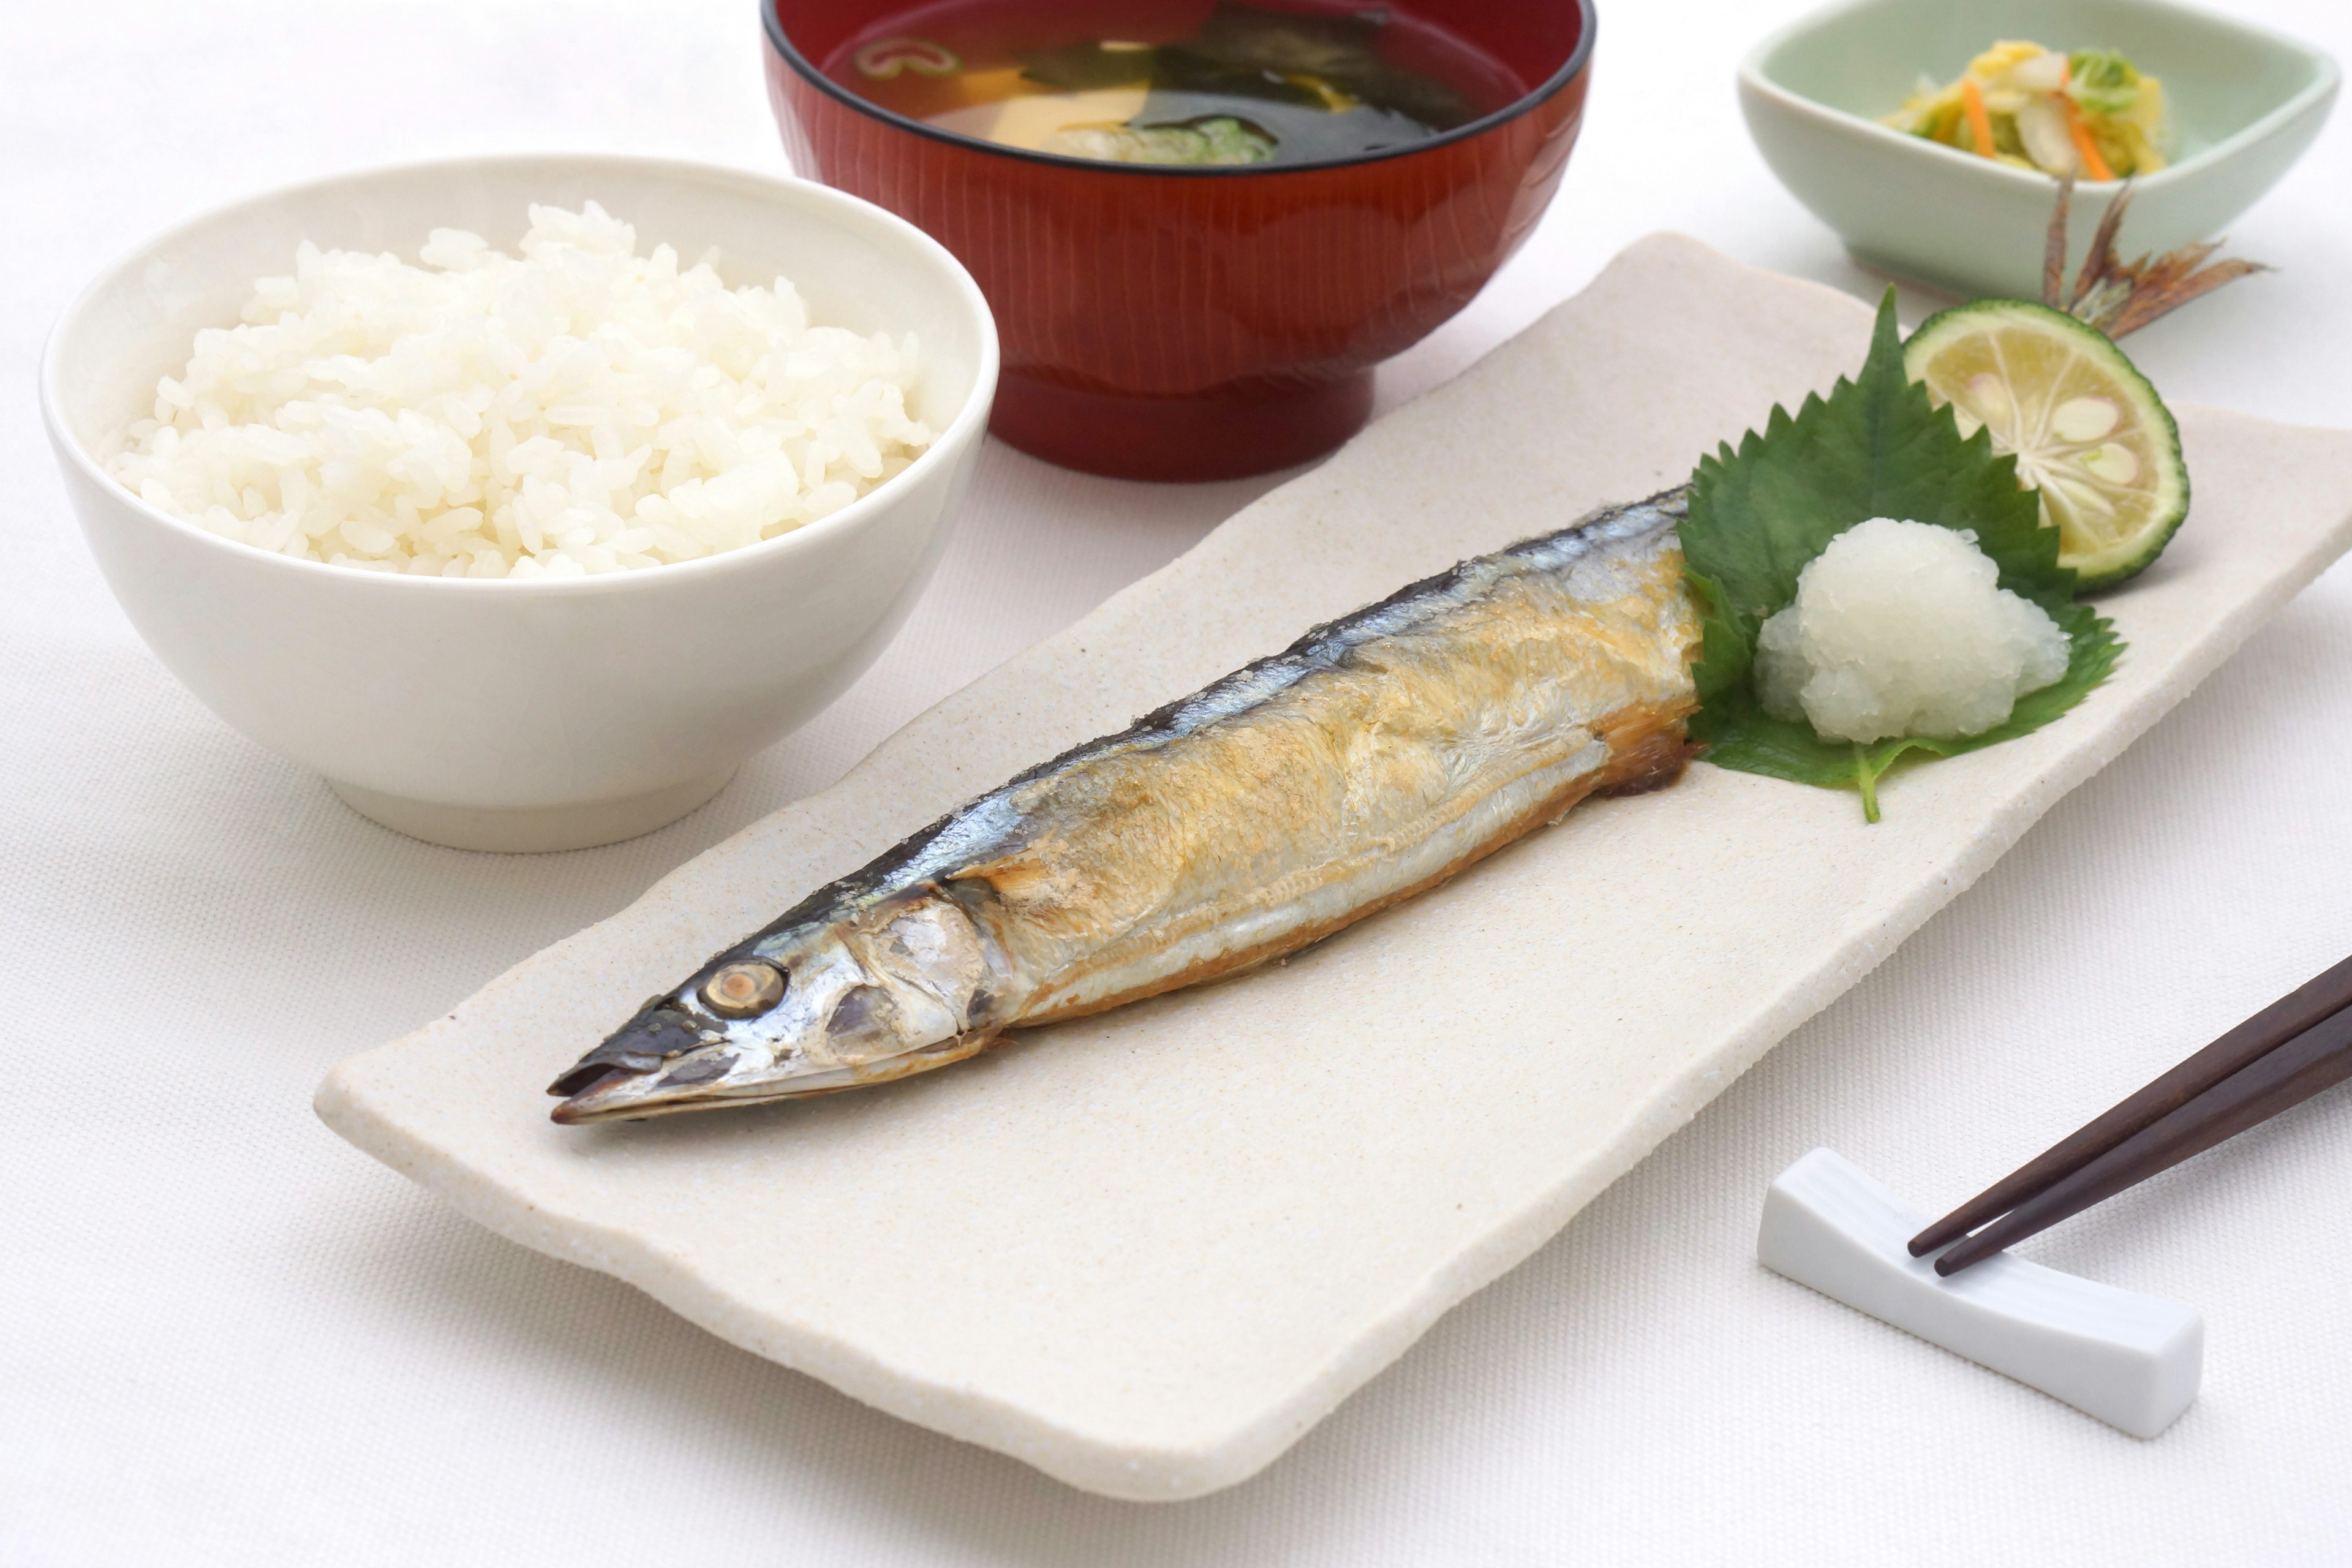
(1649, 747)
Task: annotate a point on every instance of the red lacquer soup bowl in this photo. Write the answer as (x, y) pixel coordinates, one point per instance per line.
(1192, 324)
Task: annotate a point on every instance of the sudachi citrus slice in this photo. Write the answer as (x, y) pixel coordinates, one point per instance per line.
(2088, 431)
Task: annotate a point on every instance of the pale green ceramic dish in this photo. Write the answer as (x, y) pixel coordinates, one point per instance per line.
(2245, 103)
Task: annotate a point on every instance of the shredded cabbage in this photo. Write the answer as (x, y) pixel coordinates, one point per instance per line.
(2033, 102)
(2104, 82)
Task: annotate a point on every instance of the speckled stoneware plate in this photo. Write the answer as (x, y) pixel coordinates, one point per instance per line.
(1146, 1251)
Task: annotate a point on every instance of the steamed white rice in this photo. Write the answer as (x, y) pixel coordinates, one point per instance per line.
(577, 409)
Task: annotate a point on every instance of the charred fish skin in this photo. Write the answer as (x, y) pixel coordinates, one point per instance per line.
(1371, 760)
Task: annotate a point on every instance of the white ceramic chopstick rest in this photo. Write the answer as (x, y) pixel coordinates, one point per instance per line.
(2132, 1360)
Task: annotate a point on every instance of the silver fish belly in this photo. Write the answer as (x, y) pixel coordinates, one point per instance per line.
(1373, 759)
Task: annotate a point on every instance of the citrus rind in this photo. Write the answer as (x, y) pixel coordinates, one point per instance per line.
(2090, 435)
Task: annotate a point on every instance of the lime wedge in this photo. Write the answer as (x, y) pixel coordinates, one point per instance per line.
(2088, 431)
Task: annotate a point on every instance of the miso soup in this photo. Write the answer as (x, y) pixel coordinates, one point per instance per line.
(1132, 81)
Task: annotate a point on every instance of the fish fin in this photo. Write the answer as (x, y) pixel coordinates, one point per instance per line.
(1652, 747)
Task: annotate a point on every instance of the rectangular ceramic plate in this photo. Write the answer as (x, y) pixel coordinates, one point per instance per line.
(1145, 1252)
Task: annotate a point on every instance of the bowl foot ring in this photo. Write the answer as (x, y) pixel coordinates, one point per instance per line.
(1231, 432)
(532, 830)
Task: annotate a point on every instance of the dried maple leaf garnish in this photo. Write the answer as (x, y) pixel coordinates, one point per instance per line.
(2117, 298)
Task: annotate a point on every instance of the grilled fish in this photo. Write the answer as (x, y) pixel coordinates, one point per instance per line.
(1373, 760)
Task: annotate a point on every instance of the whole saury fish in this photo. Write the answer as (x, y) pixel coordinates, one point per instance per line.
(1373, 760)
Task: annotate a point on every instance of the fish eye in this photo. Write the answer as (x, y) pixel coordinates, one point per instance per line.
(744, 989)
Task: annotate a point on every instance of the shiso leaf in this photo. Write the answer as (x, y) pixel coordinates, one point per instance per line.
(1878, 446)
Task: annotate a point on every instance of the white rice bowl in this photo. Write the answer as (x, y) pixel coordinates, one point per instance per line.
(576, 409)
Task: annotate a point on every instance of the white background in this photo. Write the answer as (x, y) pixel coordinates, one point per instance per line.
(226, 1337)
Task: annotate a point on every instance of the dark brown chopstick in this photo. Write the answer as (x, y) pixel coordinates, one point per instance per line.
(2250, 1042)
(2319, 1058)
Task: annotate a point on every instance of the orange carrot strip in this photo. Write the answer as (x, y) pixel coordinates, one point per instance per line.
(2093, 165)
(1980, 122)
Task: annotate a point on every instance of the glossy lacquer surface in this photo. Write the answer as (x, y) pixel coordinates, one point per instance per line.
(1195, 324)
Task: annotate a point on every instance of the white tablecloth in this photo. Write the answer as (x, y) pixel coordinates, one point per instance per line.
(226, 1337)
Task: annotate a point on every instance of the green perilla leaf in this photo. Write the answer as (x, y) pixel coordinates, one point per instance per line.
(1876, 446)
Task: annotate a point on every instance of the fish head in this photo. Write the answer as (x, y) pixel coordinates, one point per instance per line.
(892, 990)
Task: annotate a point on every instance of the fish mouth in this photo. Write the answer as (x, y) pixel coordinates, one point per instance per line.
(582, 1103)
(620, 1095)
(646, 1044)
(719, 1072)
(700, 1082)
(662, 1057)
